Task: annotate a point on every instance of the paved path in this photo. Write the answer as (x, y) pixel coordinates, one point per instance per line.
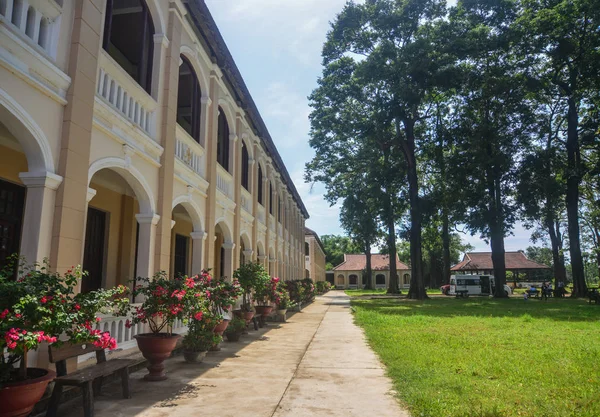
(316, 364)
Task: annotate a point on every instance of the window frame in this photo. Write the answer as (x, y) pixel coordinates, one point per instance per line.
(196, 102)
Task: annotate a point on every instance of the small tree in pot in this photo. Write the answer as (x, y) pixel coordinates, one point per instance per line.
(235, 329)
(250, 275)
(39, 307)
(221, 296)
(200, 339)
(165, 301)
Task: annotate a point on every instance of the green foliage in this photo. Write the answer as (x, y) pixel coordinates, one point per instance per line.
(335, 247)
(236, 325)
(481, 357)
(540, 255)
(252, 276)
(323, 286)
(200, 340)
(41, 305)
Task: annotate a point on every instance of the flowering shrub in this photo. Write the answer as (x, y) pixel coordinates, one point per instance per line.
(252, 276)
(309, 290)
(323, 286)
(266, 294)
(282, 298)
(220, 293)
(166, 300)
(41, 305)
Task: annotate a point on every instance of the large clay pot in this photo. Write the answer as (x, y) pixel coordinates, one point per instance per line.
(263, 311)
(193, 357)
(156, 347)
(17, 399)
(221, 327)
(247, 315)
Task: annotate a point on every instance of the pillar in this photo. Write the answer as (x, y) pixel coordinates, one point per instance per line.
(38, 215)
(198, 239)
(228, 260)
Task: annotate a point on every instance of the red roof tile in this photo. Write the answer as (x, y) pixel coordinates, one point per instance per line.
(359, 262)
(477, 261)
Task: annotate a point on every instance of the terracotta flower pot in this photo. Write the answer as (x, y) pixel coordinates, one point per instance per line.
(233, 337)
(247, 315)
(193, 357)
(263, 311)
(156, 347)
(221, 327)
(17, 399)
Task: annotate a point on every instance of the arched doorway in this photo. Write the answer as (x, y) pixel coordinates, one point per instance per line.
(406, 280)
(380, 280)
(353, 280)
(340, 281)
(224, 247)
(120, 227)
(245, 249)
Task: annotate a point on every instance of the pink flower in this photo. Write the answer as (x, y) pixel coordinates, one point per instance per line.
(128, 324)
(198, 316)
(179, 294)
(189, 282)
(77, 307)
(4, 314)
(98, 319)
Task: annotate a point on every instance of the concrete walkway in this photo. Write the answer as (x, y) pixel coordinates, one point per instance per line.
(316, 364)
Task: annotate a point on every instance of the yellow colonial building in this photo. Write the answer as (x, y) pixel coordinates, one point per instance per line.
(130, 144)
(314, 253)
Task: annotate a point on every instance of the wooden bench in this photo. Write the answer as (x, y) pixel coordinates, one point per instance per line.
(533, 293)
(88, 379)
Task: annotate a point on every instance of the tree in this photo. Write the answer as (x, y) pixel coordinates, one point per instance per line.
(398, 62)
(359, 218)
(491, 121)
(563, 35)
(540, 255)
(336, 246)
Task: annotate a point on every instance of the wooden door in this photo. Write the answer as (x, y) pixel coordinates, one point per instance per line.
(12, 202)
(93, 258)
(181, 255)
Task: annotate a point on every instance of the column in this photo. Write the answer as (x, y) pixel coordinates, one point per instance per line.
(38, 215)
(68, 229)
(254, 190)
(236, 145)
(248, 255)
(169, 48)
(228, 260)
(198, 239)
(145, 251)
(263, 260)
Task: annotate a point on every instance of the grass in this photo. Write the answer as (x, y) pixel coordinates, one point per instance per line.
(486, 357)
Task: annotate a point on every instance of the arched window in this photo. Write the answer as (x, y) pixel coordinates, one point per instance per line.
(380, 279)
(406, 279)
(260, 186)
(223, 141)
(306, 249)
(245, 167)
(353, 279)
(340, 280)
(189, 98)
(129, 38)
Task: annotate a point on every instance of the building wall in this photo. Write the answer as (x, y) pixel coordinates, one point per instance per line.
(64, 125)
(342, 278)
(315, 261)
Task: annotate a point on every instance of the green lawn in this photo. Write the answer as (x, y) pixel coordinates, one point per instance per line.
(488, 358)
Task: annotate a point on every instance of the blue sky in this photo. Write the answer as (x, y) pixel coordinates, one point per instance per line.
(277, 47)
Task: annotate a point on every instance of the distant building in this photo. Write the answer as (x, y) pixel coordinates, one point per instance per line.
(314, 256)
(348, 274)
(523, 269)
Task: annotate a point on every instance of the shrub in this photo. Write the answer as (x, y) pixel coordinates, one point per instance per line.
(252, 276)
(200, 340)
(236, 325)
(323, 286)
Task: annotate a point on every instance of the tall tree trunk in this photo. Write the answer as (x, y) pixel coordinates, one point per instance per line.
(417, 285)
(369, 271)
(446, 246)
(497, 234)
(558, 260)
(391, 226)
(572, 199)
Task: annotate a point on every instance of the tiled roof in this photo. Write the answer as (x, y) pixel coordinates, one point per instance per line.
(477, 261)
(359, 262)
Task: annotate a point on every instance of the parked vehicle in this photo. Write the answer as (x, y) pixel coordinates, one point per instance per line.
(475, 285)
(445, 289)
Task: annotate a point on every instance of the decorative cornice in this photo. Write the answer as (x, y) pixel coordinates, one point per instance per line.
(162, 39)
(41, 180)
(147, 218)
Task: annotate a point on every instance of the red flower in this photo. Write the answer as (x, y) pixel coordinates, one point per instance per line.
(198, 316)
(77, 307)
(189, 282)
(128, 324)
(98, 319)
(4, 314)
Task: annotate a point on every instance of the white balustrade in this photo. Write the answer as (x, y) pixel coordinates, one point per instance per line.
(190, 152)
(224, 181)
(125, 95)
(39, 20)
(246, 200)
(261, 214)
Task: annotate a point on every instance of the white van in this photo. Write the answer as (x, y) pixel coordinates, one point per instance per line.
(475, 285)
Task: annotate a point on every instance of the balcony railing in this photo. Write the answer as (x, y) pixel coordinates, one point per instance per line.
(190, 152)
(125, 95)
(36, 19)
(224, 181)
(260, 213)
(246, 200)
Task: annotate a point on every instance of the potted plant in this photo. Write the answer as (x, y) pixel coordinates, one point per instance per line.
(235, 329)
(35, 309)
(282, 299)
(221, 296)
(265, 295)
(197, 342)
(165, 300)
(250, 275)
